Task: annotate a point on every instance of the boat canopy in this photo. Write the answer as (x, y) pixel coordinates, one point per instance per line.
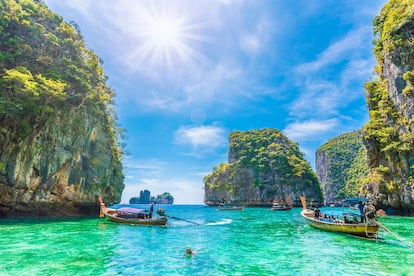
(337, 213)
(131, 210)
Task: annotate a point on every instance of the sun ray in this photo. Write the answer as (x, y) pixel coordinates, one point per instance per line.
(165, 38)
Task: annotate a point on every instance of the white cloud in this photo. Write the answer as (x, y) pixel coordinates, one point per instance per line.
(231, 2)
(201, 137)
(219, 83)
(254, 42)
(319, 98)
(250, 43)
(308, 130)
(143, 168)
(357, 69)
(338, 51)
(325, 94)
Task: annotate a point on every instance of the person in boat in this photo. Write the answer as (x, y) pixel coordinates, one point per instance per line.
(151, 210)
(346, 220)
(189, 253)
(316, 213)
(324, 217)
(361, 207)
(355, 220)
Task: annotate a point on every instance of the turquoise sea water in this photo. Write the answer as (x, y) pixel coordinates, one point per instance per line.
(255, 241)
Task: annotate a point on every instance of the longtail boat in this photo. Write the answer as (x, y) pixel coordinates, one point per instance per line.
(230, 208)
(348, 223)
(132, 215)
(280, 207)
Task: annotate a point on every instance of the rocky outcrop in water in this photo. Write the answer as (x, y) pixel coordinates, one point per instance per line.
(389, 135)
(263, 166)
(59, 146)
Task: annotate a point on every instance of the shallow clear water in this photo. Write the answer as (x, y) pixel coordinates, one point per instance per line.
(255, 241)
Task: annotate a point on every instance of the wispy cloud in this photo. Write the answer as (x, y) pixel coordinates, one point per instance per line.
(201, 137)
(143, 168)
(206, 71)
(218, 84)
(319, 99)
(343, 49)
(255, 41)
(308, 130)
(324, 93)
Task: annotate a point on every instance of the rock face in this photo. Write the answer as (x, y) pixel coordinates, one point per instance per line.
(342, 166)
(164, 198)
(263, 166)
(58, 136)
(389, 135)
(146, 198)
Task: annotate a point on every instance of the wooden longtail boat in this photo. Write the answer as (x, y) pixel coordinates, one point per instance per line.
(230, 208)
(340, 224)
(279, 207)
(131, 215)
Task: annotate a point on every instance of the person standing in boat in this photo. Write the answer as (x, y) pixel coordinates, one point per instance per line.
(151, 209)
(361, 207)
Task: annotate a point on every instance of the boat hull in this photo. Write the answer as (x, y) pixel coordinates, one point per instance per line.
(153, 221)
(281, 208)
(230, 208)
(113, 215)
(369, 230)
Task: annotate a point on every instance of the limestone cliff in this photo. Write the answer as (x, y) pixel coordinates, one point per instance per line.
(59, 146)
(341, 166)
(389, 135)
(263, 166)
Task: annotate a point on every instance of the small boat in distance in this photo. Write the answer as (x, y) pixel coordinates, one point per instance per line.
(280, 207)
(132, 215)
(348, 223)
(223, 207)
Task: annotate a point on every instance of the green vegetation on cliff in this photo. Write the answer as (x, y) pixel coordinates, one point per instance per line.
(341, 165)
(394, 31)
(389, 135)
(60, 139)
(164, 198)
(45, 66)
(264, 165)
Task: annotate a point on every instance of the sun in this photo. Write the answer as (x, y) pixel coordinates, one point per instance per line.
(165, 33)
(166, 37)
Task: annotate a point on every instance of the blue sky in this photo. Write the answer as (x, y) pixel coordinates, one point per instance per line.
(188, 73)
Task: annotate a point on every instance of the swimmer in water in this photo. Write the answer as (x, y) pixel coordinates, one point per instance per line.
(189, 253)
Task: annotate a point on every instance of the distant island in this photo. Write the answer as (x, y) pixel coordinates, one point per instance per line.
(146, 198)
